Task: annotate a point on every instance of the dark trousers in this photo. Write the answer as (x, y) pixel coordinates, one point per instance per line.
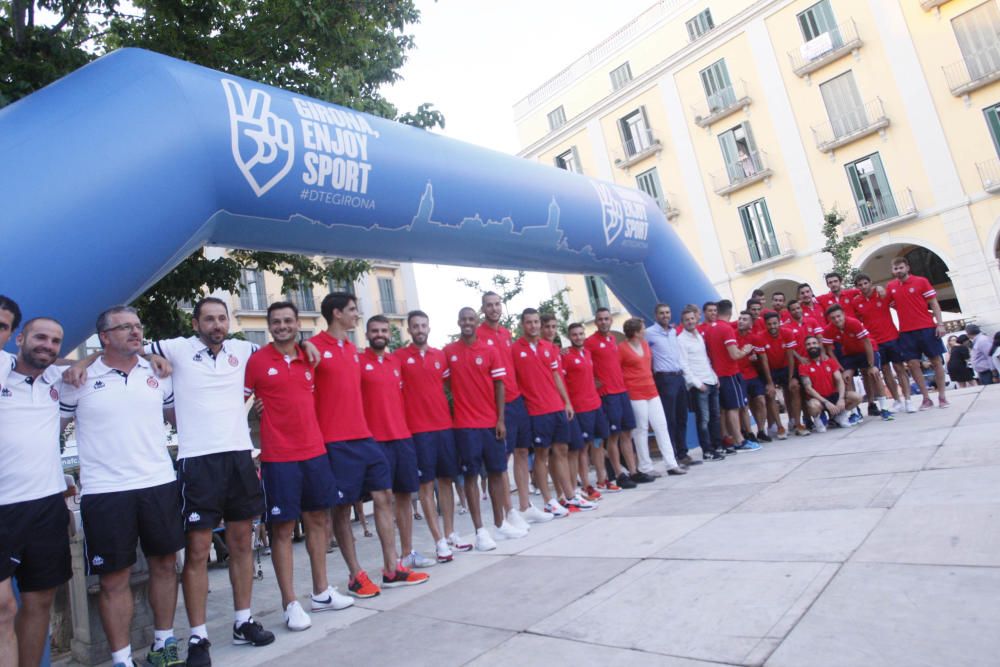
(985, 377)
(674, 396)
(706, 411)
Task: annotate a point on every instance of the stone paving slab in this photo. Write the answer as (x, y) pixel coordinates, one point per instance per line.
(818, 494)
(966, 454)
(760, 471)
(867, 463)
(619, 537)
(527, 650)
(956, 485)
(707, 500)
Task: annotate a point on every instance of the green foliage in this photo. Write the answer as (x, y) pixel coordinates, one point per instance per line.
(395, 338)
(509, 288)
(558, 306)
(841, 246)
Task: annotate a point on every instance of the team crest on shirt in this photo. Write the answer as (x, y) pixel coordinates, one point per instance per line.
(152, 382)
(479, 361)
(309, 376)
(546, 353)
(233, 361)
(489, 341)
(576, 361)
(272, 371)
(912, 290)
(53, 393)
(395, 372)
(524, 354)
(437, 365)
(603, 345)
(98, 385)
(411, 360)
(454, 357)
(328, 355)
(369, 367)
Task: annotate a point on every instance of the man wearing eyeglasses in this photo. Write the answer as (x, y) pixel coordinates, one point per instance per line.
(128, 486)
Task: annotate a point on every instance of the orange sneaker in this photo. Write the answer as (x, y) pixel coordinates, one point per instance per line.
(591, 494)
(609, 486)
(361, 586)
(403, 577)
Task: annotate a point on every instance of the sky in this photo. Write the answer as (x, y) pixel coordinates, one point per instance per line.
(473, 60)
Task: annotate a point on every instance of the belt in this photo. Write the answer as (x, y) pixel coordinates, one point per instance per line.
(674, 373)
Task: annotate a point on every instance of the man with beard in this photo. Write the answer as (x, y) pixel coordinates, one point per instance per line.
(858, 353)
(871, 306)
(779, 305)
(837, 296)
(778, 343)
(128, 484)
(824, 387)
(800, 326)
(757, 376)
(579, 371)
(810, 306)
(34, 521)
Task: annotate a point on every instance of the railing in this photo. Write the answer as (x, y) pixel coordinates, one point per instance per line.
(928, 5)
(855, 124)
(989, 174)
(974, 71)
(304, 301)
(637, 148)
(746, 170)
(253, 300)
(392, 307)
(763, 253)
(886, 208)
(722, 103)
(826, 48)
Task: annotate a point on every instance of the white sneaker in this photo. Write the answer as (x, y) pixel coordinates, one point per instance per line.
(330, 600)
(516, 520)
(508, 532)
(417, 559)
(444, 554)
(296, 617)
(772, 430)
(897, 406)
(910, 407)
(819, 426)
(535, 515)
(581, 503)
(843, 421)
(555, 509)
(483, 540)
(457, 544)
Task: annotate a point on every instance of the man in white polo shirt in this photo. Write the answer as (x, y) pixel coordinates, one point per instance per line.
(128, 485)
(34, 521)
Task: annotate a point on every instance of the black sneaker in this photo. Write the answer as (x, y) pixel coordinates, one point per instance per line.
(625, 482)
(763, 437)
(253, 633)
(198, 655)
(642, 478)
(873, 410)
(730, 451)
(714, 455)
(749, 435)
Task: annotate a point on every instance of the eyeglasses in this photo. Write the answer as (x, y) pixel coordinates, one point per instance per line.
(125, 327)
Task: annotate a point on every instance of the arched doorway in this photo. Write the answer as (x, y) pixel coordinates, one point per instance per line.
(787, 286)
(923, 262)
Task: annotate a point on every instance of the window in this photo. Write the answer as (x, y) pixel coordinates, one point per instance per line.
(557, 118)
(387, 295)
(252, 295)
(978, 35)
(993, 123)
(597, 292)
(717, 85)
(620, 76)
(341, 286)
(634, 129)
(305, 334)
(758, 231)
(649, 182)
(569, 161)
(700, 24)
(302, 297)
(871, 190)
(256, 336)
(843, 104)
(739, 151)
(818, 20)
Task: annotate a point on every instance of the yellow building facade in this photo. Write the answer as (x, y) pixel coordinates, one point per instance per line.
(749, 121)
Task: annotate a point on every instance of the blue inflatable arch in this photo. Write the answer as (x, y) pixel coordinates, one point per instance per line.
(114, 174)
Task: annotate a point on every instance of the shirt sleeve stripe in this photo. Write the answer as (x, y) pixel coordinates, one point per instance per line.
(929, 293)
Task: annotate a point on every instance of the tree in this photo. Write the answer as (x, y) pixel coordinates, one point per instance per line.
(341, 52)
(841, 246)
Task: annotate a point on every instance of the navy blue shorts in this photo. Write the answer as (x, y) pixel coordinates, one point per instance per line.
(436, 455)
(360, 467)
(294, 487)
(858, 362)
(402, 456)
(515, 418)
(890, 353)
(779, 376)
(593, 424)
(552, 427)
(576, 442)
(914, 344)
(618, 410)
(732, 392)
(479, 448)
(756, 387)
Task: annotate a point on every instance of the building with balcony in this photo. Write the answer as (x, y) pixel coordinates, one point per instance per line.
(747, 121)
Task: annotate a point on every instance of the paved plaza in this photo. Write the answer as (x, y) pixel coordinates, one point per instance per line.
(878, 545)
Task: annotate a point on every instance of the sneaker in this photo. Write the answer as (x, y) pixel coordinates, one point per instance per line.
(749, 435)
(680, 471)
(943, 403)
(609, 486)
(748, 446)
(556, 510)
(897, 406)
(843, 421)
(403, 577)
(887, 416)
(253, 633)
(926, 404)
(773, 430)
(443, 551)
(330, 600)
(910, 407)
(626, 482)
(801, 430)
(873, 410)
(763, 437)
(462, 509)
(456, 543)
(714, 455)
(688, 461)
(581, 504)
(198, 655)
(819, 426)
(642, 478)
(483, 540)
(590, 493)
(296, 617)
(781, 433)
(507, 531)
(730, 451)
(417, 559)
(517, 522)
(166, 656)
(572, 509)
(361, 586)
(535, 515)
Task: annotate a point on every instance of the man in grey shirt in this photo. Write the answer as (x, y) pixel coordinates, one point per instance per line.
(982, 364)
(668, 372)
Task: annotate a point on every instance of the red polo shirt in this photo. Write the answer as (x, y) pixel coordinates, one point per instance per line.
(776, 348)
(502, 341)
(579, 372)
(910, 298)
(607, 365)
(820, 373)
(815, 311)
(289, 430)
(802, 330)
(423, 388)
(534, 368)
(472, 372)
(874, 313)
(339, 406)
(748, 366)
(851, 337)
(718, 335)
(382, 388)
(845, 300)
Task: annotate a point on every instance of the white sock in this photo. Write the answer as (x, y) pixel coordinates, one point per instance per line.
(199, 631)
(241, 616)
(160, 637)
(123, 656)
(881, 402)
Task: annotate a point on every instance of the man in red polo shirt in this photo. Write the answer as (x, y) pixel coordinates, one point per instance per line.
(296, 473)
(475, 376)
(779, 304)
(724, 353)
(424, 370)
(871, 306)
(777, 343)
(579, 371)
(757, 376)
(810, 306)
(359, 463)
(919, 332)
(537, 365)
(824, 387)
(603, 347)
(837, 295)
(858, 352)
(382, 391)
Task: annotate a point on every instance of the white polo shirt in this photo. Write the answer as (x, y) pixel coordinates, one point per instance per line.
(30, 463)
(211, 415)
(119, 428)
